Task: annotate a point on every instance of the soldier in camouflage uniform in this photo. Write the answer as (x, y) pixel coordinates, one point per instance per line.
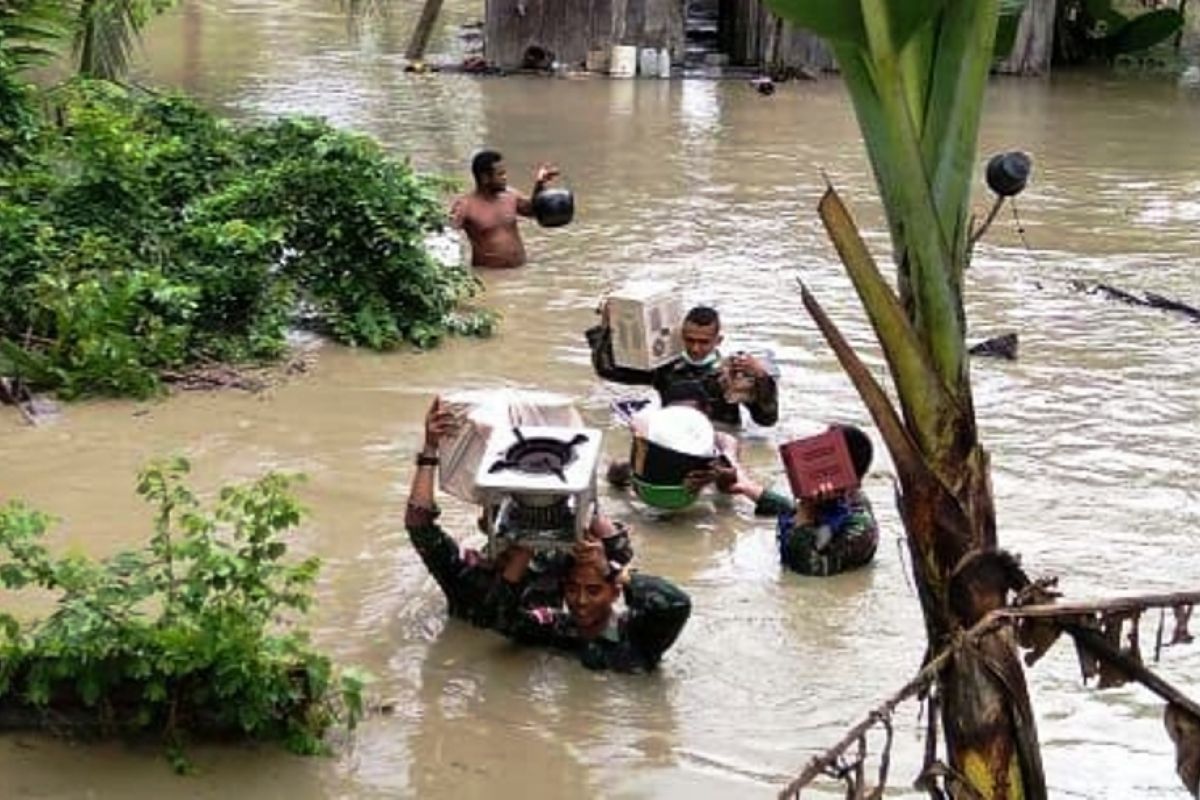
(496, 593)
(699, 363)
(823, 536)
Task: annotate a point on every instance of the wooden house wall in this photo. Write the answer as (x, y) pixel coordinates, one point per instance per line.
(569, 28)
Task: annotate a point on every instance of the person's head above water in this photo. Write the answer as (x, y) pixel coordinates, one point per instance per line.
(687, 393)
(701, 334)
(590, 588)
(490, 173)
(859, 445)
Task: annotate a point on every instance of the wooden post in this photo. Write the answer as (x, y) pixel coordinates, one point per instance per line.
(420, 37)
(1034, 45)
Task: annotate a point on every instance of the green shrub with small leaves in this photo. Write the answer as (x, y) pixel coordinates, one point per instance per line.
(192, 634)
(145, 234)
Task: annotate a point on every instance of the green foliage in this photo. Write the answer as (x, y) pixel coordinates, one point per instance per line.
(144, 234)
(31, 30)
(916, 76)
(18, 122)
(1093, 30)
(28, 30)
(844, 22)
(189, 634)
(106, 31)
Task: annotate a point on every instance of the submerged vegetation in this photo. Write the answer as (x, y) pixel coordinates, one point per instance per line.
(188, 635)
(140, 233)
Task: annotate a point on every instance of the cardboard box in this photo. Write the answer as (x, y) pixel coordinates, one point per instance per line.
(598, 59)
(819, 463)
(645, 318)
(483, 411)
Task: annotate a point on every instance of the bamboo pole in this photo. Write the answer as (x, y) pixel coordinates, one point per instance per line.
(1086, 637)
(420, 37)
(1132, 603)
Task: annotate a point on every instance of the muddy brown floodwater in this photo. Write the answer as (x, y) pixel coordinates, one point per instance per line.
(1093, 433)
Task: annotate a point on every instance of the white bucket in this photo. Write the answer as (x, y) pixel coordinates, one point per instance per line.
(623, 63)
(664, 63)
(648, 62)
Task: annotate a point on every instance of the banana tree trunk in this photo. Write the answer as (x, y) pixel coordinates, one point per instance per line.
(987, 719)
(946, 505)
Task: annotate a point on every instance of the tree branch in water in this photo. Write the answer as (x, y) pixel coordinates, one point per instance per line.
(1081, 620)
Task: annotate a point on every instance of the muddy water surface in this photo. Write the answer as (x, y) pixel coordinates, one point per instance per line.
(1093, 432)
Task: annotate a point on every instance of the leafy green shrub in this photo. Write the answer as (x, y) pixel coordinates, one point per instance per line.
(187, 239)
(114, 330)
(185, 635)
(18, 123)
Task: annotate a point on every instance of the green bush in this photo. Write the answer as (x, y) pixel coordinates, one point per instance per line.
(146, 234)
(187, 635)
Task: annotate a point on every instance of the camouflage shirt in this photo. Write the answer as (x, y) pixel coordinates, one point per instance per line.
(844, 536)
(656, 609)
(764, 409)
(635, 640)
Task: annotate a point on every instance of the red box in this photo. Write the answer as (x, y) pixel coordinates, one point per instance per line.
(819, 462)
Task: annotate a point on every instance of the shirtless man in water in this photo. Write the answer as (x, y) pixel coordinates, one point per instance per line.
(489, 214)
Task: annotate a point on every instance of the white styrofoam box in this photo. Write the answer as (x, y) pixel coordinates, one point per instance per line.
(623, 61)
(645, 317)
(664, 63)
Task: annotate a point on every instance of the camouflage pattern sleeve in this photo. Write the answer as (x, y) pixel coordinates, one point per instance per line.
(599, 340)
(467, 582)
(435, 547)
(772, 503)
(764, 410)
(658, 610)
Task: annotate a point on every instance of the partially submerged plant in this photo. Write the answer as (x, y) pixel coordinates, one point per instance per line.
(192, 634)
(916, 71)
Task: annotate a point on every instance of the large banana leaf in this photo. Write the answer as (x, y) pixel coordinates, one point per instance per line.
(1144, 31)
(30, 30)
(842, 20)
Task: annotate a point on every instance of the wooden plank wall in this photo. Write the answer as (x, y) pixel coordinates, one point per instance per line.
(749, 31)
(570, 28)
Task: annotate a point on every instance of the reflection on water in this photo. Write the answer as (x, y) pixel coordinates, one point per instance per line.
(1093, 432)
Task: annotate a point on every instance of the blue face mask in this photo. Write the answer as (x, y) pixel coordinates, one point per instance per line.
(707, 361)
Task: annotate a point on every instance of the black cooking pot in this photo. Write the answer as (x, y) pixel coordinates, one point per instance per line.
(1007, 173)
(554, 208)
(656, 465)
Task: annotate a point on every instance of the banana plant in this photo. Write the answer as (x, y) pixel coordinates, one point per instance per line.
(1093, 29)
(102, 33)
(106, 32)
(916, 71)
(29, 31)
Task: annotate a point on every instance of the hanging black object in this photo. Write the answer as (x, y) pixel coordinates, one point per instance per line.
(1007, 173)
(554, 207)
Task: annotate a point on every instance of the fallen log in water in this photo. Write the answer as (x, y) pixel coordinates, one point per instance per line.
(35, 409)
(1148, 300)
(1003, 346)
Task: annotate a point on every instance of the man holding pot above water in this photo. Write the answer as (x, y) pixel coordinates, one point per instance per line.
(490, 592)
(489, 214)
(740, 380)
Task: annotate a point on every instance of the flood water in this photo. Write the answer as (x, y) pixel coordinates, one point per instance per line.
(1093, 433)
